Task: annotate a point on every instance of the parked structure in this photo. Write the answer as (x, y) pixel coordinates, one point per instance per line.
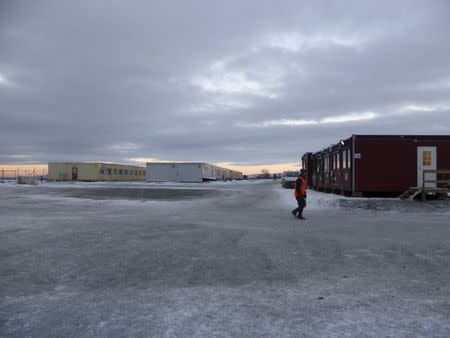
(371, 165)
(189, 172)
(76, 171)
(288, 179)
(26, 180)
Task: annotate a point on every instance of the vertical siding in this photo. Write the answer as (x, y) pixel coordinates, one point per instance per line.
(308, 168)
(341, 173)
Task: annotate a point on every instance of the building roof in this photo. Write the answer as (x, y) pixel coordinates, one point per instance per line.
(403, 136)
(95, 163)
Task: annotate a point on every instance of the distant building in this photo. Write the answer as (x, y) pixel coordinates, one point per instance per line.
(372, 165)
(189, 172)
(90, 172)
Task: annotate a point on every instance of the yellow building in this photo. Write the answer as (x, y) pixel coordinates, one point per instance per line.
(90, 172)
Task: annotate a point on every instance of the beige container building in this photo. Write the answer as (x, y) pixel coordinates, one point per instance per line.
(92, 172)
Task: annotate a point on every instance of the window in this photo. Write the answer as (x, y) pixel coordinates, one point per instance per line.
(114, 171)
(325, 163)
(344, 159)
(102, 172)
(349, 165)
(120, 171)
(426, 158)
(338, 161)
(108, 171)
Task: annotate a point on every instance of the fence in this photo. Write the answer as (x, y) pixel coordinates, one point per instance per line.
(440, 182)
(13, 174)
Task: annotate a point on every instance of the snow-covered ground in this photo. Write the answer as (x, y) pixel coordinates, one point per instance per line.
(219, 259)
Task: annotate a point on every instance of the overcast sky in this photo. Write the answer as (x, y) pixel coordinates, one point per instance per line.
(241, 82)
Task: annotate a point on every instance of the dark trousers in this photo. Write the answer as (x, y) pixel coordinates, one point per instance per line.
(301, 204)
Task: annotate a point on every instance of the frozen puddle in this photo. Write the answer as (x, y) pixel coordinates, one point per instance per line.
(135, 193)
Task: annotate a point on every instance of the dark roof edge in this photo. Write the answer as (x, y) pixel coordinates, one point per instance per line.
(401, 136)
(398, 136)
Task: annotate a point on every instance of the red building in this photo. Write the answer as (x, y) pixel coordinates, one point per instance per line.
(377, 165)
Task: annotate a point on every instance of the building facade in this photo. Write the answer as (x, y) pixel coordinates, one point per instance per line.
(189, 172)
(91, 172)
(371, 165)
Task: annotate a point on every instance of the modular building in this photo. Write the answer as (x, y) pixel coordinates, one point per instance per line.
(307, 166)
(379, 165)
(189, 172)
(91, 172)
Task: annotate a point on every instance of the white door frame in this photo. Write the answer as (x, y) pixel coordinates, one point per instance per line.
(421, 166)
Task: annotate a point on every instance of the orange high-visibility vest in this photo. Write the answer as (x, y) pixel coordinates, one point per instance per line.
(302, 187)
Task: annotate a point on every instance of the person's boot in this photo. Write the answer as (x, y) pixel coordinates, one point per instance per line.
(294, 213)
(300, 217)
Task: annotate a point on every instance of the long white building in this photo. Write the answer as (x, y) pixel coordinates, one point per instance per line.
(189, 172)
(91, 172)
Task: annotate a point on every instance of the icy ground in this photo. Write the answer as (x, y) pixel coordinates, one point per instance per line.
(228, 260)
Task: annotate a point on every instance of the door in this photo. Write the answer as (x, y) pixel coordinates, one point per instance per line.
(426, 160)
(74, 174)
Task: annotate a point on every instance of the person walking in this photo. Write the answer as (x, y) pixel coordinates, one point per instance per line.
(274, 178)
(300, 196)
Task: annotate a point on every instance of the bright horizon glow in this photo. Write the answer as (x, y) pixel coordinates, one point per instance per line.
(21, 166)
(144, 160)
(256, 168)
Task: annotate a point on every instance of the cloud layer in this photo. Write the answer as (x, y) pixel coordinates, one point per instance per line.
(252, 83)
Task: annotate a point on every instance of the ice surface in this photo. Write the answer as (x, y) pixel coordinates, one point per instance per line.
(221, 259)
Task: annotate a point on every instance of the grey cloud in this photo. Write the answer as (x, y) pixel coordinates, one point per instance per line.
(93, 76)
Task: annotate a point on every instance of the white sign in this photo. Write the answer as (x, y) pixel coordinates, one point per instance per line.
(357, 155)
